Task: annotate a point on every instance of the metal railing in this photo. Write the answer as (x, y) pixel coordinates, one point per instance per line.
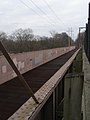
(87, 37)
(5, 53)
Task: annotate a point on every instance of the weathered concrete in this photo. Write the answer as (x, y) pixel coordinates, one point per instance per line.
(73, 87)
(73, 97)
(86, 90)
(27, 61)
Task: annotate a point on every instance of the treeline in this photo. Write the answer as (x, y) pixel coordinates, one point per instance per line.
(23, 40)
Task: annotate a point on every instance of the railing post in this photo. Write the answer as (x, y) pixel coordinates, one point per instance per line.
(86, 40)
(89, 35)
(54, 105)
(59, 100)
(67, 97)
(48, 109)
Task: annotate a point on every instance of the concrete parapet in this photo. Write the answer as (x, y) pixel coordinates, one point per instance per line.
(27, 61)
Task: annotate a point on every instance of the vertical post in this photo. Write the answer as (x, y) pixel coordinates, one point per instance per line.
(70, 36)
(48, 109)
(79, 39)
(57, 97)
(54, 105)
(68, 41)
(86, 40)
(5, 53)
(89, 35)
(59, 102)
(89, 12)
(67, 97)
(60, 91)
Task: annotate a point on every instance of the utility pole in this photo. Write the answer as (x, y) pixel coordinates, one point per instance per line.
(80, 28)
(70, 31)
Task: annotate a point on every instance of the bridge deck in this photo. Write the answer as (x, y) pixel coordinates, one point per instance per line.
(13, 94)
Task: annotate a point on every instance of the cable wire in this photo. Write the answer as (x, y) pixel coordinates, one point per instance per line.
(36, 12)
(48, 19)
(53, 12)
(41, 10)
(29, 7)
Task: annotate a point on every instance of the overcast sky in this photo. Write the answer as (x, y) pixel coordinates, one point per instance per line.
(43, 16)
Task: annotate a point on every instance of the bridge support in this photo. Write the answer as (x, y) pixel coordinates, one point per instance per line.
(59, 105)
(48, 109)
(73, 86)
(73, 97)
(53, 108)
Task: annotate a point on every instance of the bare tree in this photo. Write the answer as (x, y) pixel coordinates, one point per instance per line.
(23, 34)
(3, 36)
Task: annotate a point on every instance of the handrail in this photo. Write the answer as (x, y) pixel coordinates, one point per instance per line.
(29, 110)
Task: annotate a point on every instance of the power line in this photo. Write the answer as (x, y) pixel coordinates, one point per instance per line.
(37, 6)
(29, 7)
(40, 10)
(53, 12)
(36, 12)
(48, 19)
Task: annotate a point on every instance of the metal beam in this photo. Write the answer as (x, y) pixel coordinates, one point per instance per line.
(48, 109)
(43, 94)
(54, 105)
(5, 53)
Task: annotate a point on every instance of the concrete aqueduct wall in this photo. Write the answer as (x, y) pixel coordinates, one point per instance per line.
(28, 60)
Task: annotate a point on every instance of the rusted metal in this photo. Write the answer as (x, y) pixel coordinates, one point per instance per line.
(5, 53)
(36, 78)
(42, 94)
